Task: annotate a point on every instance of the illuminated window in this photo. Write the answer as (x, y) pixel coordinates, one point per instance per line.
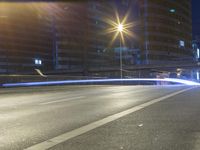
(181, 43)
(172, 10)
(198, 76)
(38, 62)
(198, 53)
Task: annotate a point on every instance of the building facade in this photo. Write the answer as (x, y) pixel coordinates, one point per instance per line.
(167, 31)
(25, 38)
(70, 36)
(81, 41)
(70, 29)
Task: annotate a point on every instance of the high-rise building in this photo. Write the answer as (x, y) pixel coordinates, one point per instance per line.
(25, 38)
(71, 36)
(99, 55)
(167, 31)
(81, 42)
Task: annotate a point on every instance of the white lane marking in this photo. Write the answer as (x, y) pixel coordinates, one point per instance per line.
(197, 141)
(74, 133)
(63, 100)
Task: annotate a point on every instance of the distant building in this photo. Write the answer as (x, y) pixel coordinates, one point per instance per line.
(167, 31)
(196, 49)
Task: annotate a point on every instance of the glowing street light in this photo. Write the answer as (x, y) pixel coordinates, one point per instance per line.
(120, 28)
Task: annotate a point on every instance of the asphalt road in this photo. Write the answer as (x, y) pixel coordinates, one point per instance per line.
(29, 116)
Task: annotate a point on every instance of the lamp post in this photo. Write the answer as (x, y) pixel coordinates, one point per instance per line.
(120, 29)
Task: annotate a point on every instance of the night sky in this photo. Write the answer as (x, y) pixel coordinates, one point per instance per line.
(196, 17)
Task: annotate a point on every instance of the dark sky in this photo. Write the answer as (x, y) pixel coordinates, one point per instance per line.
(196, 17)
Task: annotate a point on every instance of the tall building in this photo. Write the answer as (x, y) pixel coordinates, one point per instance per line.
(25, 38)
(71, 36)
(99, 55)
(167, 31)
(81, 43)
(52, 36)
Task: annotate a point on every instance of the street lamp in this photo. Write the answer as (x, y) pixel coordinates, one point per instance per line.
(120, 29)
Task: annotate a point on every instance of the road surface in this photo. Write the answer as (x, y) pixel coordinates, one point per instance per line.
(100, 118)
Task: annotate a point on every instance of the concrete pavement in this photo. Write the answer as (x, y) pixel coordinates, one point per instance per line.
(29, 116)
(173, 124)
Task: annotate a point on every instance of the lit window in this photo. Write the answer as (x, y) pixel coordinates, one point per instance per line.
(172, 10)
(181, 43)
(38, 62)
(198, 76)
(198, 53)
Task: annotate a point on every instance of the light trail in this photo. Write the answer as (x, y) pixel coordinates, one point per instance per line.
(172, 80)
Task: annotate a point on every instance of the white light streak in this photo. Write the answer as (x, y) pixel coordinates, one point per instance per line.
(173, 80)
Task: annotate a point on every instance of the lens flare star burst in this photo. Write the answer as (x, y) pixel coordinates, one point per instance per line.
(119, 27)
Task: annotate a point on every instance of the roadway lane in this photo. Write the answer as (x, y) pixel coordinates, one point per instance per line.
(172, 124)
(32, 115)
